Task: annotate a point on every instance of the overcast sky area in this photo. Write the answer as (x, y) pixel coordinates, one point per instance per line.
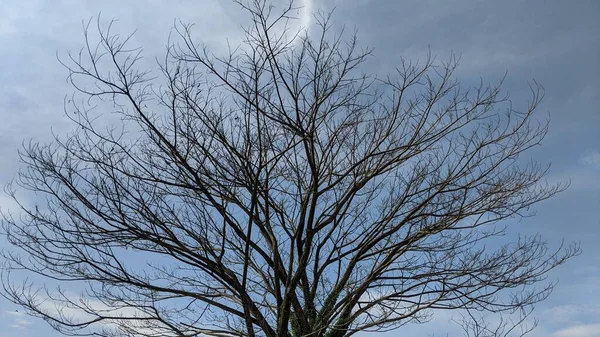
(554, 42)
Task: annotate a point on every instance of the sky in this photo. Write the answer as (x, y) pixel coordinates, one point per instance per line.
(553, 42)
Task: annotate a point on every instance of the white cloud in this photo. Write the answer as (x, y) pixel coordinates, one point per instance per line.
(306, 13)
(7, 203)
(18, 320)
(586, 330)
(568, 313)
(143, 327)
(591, 159)
(56, 308)
(20, 323)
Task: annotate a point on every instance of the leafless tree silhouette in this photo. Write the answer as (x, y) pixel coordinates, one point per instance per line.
(277, 191)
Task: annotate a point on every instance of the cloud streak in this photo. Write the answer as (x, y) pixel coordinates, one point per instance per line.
(18, 320)
(584, 330)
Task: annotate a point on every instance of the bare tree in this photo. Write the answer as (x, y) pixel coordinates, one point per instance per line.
(278, 191)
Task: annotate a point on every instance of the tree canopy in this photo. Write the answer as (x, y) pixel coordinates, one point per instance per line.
(278, 190)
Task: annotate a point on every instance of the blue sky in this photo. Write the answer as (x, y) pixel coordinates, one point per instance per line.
(554, 42)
